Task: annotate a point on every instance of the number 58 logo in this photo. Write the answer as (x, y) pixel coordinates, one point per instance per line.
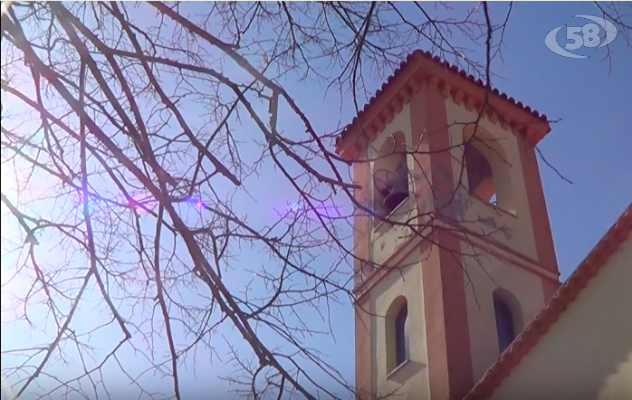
(582, 36)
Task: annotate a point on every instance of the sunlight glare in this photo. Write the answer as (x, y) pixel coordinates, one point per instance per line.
(5, 6)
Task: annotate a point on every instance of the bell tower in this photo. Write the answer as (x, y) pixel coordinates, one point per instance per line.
(454, 253)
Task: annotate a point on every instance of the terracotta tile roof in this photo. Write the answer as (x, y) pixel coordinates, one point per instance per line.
(408, 63)
(565, 295)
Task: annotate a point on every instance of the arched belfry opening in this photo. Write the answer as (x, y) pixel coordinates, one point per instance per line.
(488, 170)
(397, 334)
(479, 172)
(390, 175)
(508, 317)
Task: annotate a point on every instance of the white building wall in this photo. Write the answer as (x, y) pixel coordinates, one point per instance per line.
(587, 353)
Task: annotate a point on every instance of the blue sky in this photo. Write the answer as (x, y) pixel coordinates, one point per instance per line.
(590, 145)
(592, 142)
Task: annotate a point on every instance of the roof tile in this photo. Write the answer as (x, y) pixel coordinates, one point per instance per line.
(407, 62)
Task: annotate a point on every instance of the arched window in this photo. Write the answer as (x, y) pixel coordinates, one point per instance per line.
(505, 322)
(479, 174)
(489, 172)
(401, 335)
(390, 175)
(397, 334)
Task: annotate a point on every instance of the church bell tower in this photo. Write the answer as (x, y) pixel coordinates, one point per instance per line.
(454, 253)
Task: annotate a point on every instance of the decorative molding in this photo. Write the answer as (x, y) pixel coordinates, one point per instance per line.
(458, 97)
(407, 80)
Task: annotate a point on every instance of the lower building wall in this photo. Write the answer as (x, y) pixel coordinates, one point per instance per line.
(587, 353)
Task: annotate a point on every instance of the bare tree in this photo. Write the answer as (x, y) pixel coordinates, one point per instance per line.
(132, 138)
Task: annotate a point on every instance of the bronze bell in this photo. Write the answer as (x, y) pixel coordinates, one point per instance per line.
(399, 189)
